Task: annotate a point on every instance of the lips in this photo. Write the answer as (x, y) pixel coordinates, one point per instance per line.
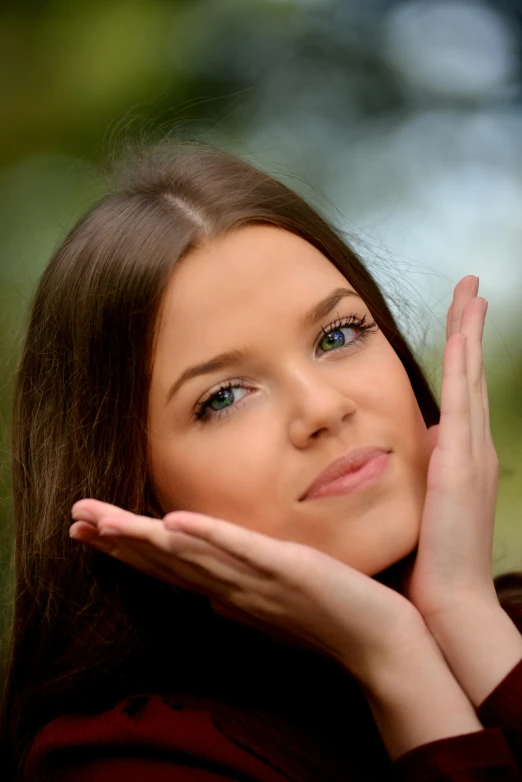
(349, 463)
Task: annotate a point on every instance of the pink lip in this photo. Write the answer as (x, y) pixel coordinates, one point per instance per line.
(362, 466)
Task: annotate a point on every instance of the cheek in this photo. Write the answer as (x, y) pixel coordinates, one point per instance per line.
(397, 394)
(215, 481)
(413, 448)
(391, 393)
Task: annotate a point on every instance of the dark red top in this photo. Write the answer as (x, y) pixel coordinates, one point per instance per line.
(188, 738)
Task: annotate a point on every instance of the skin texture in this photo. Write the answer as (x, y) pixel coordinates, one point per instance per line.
(306, 401)
(425, 659)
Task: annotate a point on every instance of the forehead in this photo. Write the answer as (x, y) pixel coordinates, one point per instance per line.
(255, 271)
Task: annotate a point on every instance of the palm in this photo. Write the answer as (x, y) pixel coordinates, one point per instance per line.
(453, 560)
(289, 591)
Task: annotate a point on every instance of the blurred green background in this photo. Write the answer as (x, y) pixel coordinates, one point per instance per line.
(401, 120)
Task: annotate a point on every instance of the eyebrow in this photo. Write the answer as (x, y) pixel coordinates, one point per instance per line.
(234, 357)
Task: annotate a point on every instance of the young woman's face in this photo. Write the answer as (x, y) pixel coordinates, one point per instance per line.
(296, 400)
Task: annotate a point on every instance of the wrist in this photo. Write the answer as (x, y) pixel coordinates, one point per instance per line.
(415, 699)
(391, 644)
(386, 666)
(480, 643)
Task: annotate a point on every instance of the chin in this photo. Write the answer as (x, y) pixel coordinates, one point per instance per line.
(396, 556)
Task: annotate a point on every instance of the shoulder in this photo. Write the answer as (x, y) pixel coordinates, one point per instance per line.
(154, 735)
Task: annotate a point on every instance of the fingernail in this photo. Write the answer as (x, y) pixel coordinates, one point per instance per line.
(109, 531)
(485, 307)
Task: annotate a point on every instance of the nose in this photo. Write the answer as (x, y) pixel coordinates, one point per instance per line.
(319, 407)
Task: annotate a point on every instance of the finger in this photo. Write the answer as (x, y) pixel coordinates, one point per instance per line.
(194, 555)
(454, 427)
(130, 524)
(110, 521)
(487, 426)
(117, 548)
(113, 521)
(484, 393)
(472, 327)
(195, 560)
(149, 559)
(465, 290)
(89, 509)
(150, 563)
(448, 322)
(252, 548)
(82, 529)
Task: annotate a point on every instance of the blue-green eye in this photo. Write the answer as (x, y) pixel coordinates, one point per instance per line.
(222, 400)
(219, 401)
(333, 333)
(333, 338)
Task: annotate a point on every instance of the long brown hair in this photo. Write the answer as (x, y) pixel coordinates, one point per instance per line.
(87, 629)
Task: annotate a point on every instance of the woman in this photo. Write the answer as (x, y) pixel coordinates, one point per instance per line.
(280, 563)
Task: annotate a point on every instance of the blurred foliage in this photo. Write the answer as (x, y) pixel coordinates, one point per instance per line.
(314, 87)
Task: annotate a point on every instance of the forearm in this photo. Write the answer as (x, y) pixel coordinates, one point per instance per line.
(480, 643)
(415, 699)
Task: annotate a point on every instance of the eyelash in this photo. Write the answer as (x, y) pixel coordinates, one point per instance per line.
(359, 324)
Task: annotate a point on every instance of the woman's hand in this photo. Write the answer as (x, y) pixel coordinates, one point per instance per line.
(287, 590)
(301, 596)
(451, 583)
(453, 565)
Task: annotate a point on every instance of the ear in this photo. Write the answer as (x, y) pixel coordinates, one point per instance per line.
(433, 436)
